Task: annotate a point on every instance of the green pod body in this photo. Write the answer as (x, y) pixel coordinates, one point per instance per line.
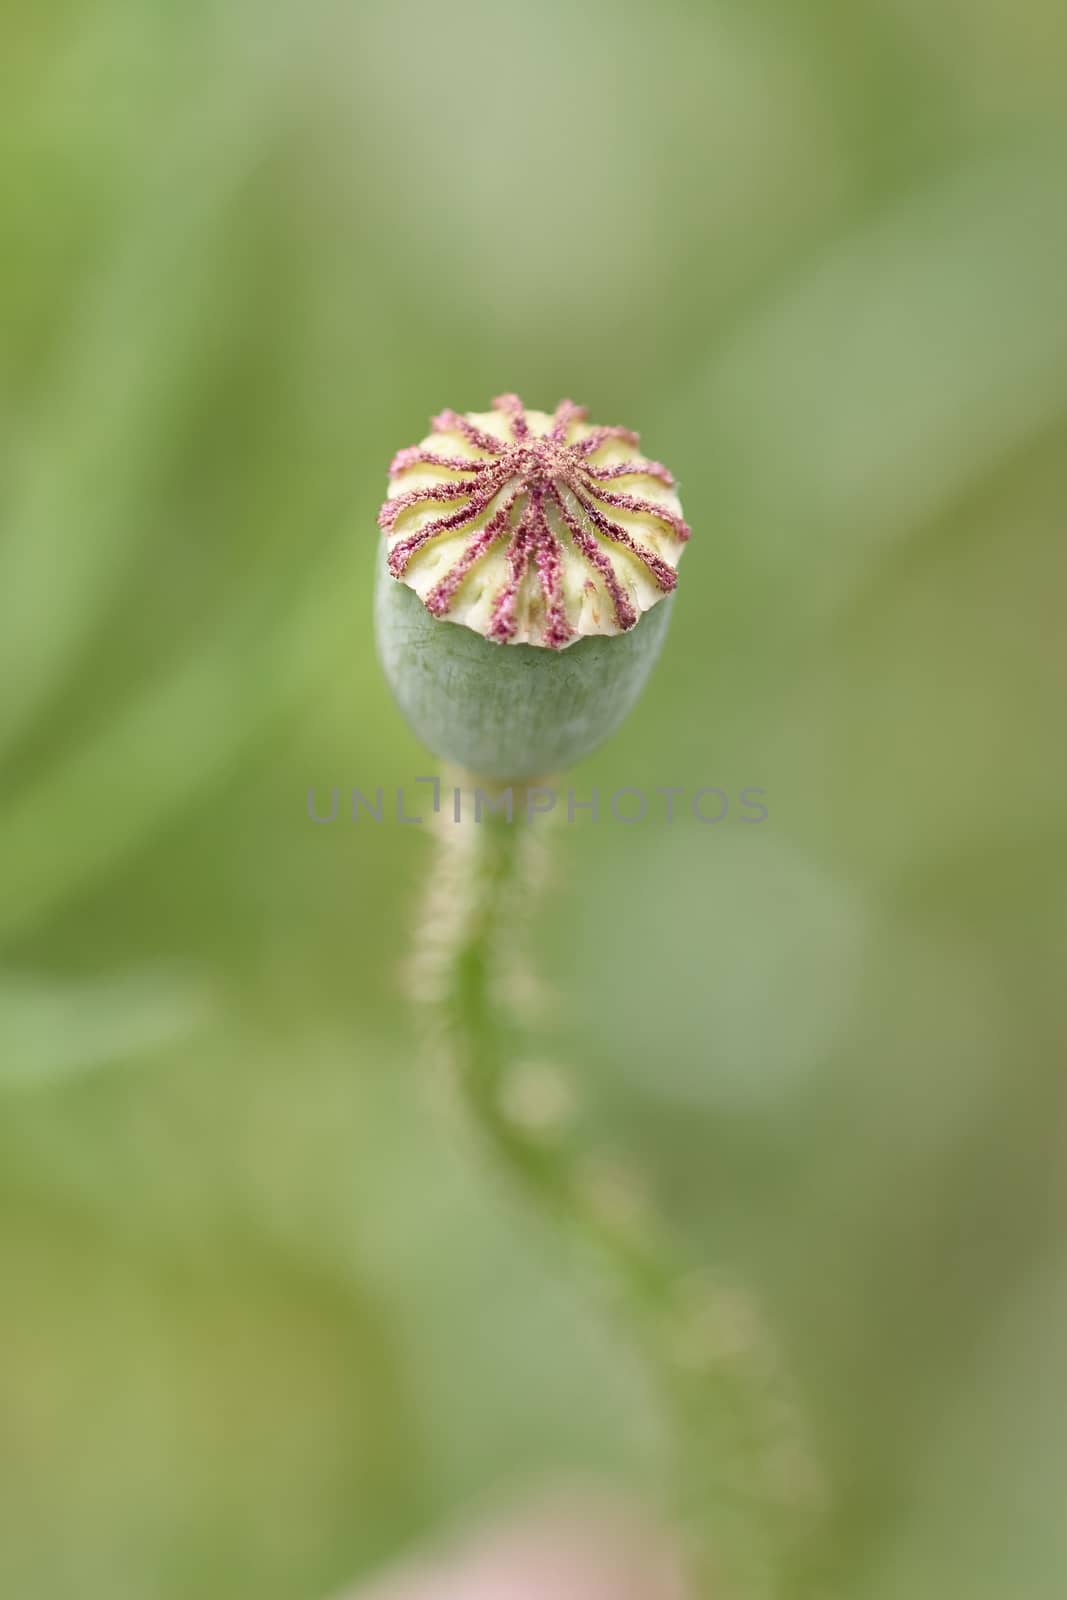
(508, 710)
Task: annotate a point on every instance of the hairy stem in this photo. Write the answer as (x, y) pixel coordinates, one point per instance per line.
(744, 1486)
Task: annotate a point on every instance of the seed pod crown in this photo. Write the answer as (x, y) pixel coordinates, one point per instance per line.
(532, 529)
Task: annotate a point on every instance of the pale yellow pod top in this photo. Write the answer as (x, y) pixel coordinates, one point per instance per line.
(530, 528)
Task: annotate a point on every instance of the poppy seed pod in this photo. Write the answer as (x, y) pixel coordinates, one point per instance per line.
(524, 582)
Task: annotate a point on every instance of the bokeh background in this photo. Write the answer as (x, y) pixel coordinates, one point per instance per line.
(264, 1326)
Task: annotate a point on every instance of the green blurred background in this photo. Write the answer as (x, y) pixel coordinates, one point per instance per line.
(263, 1325)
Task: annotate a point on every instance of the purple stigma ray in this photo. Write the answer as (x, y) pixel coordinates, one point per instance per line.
(506, 490)
(625, 615)
(549, 558)
(393, 508)
(566, 413)
(502, 623)
(631, 469)
(601, 436)
(414, 457)
(644, 508)
(515, 412)
(441, 595)
(401, 553)
(452, 422)
(663, 573)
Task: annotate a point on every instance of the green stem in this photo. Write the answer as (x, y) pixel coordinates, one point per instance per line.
(743, 1480)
